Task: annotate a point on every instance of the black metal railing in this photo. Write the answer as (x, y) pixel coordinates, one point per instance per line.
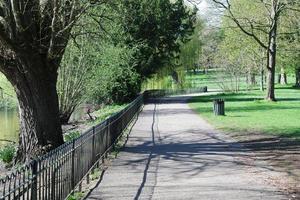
(55, 175)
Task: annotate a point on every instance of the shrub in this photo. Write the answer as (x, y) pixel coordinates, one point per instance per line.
(7, 153)
(76, 196)
(115, 80)
(71, 136)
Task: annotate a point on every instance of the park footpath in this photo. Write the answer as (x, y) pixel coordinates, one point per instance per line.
(172, 153)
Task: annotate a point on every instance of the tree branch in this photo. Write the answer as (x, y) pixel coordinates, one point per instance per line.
(238, 23)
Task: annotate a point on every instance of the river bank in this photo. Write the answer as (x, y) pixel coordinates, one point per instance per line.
(80, 122)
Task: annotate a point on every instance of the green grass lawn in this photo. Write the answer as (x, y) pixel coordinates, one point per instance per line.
(249, 112)
(200, 79)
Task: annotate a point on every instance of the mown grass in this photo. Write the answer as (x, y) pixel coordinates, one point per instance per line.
(199, 79)
(249, 112)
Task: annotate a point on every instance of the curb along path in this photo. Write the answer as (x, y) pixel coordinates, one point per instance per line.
(174, 154)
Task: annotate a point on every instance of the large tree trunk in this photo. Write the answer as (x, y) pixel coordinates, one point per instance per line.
(271, 78)
(33, 39)
(38, 109)
(271, 62)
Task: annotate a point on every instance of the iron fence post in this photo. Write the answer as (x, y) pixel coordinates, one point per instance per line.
(55, 176)
(93, 147)
(73, 166)
(34, 180)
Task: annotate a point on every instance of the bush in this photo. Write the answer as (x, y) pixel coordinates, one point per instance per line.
(115, 80)
(76, 196)
(7, 153)
(71, 136)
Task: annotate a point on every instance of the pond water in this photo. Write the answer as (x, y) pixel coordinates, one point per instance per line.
(9, 125)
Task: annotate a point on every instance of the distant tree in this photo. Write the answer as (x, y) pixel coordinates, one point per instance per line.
(233, 62)
(253, 57)
(260, 20)
(211, 39)
(190, 51)
(289, 48)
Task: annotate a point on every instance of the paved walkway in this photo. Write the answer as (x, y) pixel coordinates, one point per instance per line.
(174, 154)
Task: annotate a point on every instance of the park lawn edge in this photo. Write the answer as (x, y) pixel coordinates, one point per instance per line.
(233, 123)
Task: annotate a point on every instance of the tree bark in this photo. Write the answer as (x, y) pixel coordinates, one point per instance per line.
(282, 77)
(271, 54)
(40, 128)
(271, 77)
(252, 79)
(262, 75)
(33, 39)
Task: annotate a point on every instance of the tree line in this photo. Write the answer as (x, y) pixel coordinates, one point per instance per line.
(252, 38)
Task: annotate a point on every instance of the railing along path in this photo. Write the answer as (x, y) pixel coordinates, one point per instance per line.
(56, 175)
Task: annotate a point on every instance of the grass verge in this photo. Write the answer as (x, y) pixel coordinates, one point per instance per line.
(248, 112)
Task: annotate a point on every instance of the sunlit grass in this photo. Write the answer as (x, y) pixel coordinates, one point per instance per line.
(249, 112)
(107, 111)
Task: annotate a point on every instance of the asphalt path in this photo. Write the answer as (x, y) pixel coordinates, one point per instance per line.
(172, 153)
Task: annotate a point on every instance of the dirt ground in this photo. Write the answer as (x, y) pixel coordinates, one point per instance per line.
(279, 159)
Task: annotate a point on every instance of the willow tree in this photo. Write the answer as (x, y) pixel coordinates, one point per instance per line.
(33, 38)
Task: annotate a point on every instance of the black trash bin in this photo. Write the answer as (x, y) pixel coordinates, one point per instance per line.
(219, 107)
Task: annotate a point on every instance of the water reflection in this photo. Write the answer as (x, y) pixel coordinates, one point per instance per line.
(9, 121)
(9, 124)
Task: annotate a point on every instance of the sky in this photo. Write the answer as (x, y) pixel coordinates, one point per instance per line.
(207, 11)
